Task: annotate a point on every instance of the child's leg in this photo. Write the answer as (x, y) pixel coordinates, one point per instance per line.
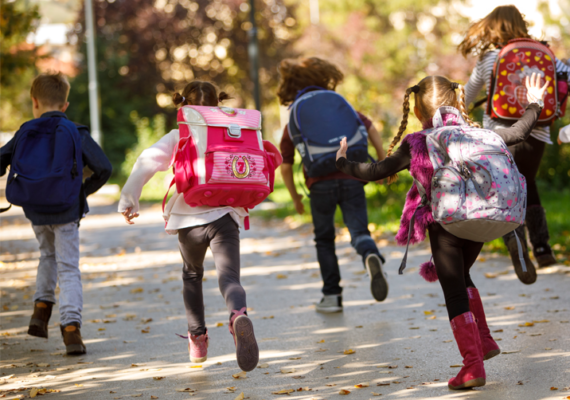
(67, 257)
(193, 244)
(224, 242)
(324, 198)
(449, 253)
(355, 216)
(46, 279)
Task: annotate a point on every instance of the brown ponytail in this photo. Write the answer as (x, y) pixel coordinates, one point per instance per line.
(199, 93)
(463, 108)
(403, 126)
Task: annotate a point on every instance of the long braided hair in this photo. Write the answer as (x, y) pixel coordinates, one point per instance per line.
(431, 93)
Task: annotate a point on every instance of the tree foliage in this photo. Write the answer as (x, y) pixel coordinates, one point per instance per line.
(18, 58)
(148, 48)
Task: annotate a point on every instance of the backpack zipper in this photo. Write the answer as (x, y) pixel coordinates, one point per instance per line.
(12, 179)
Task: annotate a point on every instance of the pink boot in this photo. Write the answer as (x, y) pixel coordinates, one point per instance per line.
(241, 328)
(467, 337)
(198, 347)
(488, 345)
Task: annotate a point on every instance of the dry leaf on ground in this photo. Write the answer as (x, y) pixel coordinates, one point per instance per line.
(239, 375)
(344, 392)
(153, 397)
(231, 389)
(219, 324)
(158, 378)
(287, 370)
(349, 351)
(187, 390)
(376, 394)
(362, 385)
(145, 330)
(240, 396)
(281, 276)
(284, 391)
(510, 352)
(265, 365)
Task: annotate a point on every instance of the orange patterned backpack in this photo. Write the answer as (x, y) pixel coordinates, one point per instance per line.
(507, 96)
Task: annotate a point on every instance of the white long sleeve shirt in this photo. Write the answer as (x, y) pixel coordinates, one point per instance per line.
(481, 76)
(177, 213)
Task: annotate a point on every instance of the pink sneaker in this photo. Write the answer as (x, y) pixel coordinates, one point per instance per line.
(198, 347)
(247, 352)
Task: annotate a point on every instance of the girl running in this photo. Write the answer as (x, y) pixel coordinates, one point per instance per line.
(199, 228)
(436, 96)
(485, 39)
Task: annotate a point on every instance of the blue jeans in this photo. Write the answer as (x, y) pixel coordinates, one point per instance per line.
(349, 195)
(59, 260)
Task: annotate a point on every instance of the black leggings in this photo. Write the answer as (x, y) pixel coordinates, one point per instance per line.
(453, 257)
(528, 155)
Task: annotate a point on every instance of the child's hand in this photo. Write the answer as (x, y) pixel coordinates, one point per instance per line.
(297, 200)
(533, 90)
(564, 135)
(343, 147)
(128, 216)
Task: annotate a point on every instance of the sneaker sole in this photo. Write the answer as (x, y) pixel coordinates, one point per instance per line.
(37, 328)
(75, 349)
(198, 360)
(328, 310)
(247, 352)
(469, 384)
(529, 277)
(378, 283)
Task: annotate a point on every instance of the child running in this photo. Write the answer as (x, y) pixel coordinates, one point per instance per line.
(330, 190)
(436, 96)
(47, 156)
(199, 228)
(485, 39)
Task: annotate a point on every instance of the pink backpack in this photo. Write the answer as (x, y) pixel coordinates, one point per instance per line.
(221, 158)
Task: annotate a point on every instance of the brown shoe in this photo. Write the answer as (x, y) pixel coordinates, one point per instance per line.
(40, 319)
(72, 339)
(528, 277)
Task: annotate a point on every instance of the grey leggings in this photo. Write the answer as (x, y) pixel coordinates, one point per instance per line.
(222, 236)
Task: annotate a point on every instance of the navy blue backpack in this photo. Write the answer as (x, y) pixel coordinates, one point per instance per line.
(47, 167)
(319, 120)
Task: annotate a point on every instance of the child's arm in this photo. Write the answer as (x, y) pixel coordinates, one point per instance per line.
(477, 79)
(156, 158)
(288, 178)
(6, 155)
(376, 141)
(97, 161)
(521, 130)
(391, 165)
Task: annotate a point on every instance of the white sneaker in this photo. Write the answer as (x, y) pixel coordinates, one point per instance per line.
(330, 304)
(378, 278)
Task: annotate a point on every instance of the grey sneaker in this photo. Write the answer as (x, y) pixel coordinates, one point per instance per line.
(330, 304)
(378, 278)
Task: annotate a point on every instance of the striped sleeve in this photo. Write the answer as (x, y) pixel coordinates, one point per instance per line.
(562, 67)
(480, 76)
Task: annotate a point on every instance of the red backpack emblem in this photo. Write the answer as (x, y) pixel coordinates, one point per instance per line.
(517, 60)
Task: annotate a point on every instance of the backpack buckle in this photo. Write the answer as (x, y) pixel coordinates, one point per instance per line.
(234, 131)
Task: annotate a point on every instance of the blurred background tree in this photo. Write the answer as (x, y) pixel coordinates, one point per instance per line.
(146, 49)
(17, 62)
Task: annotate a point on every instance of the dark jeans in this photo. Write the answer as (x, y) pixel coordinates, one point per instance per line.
(349, 195)
(528, 155)
(453, 258)
(222, 236)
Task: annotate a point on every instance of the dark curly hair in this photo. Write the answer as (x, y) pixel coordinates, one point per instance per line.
(299, 74)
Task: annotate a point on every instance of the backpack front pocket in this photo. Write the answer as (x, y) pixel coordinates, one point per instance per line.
(247, 168)
(448, 188)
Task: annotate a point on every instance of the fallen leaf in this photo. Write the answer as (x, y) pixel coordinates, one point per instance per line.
(136, 365)
(265, 365)
(428, 312)
(490, 275)
(359, 326)
(268, 317)
(33, 392)
(102, 329)
(409, 366)
(299, 377)
(498, 331)
(78, 385)
(195, 366)
(147, 330)
(360, 272)
(362, 385)
(43, 365)
(456, 366)
(284, 391)
(231, 389)
(344, 392)
(158, 378)
(287, 370)
(153, 397)
(239, 375)
(240, 396)
(331, 384)
(527, 324)
(146, 321)
(321, 341)
(294, 358)
(553, 388)
(281, 276)
(349, 351)
(376, 394)
(383, 384)
(136, 395)
(320, 350)
(511, 352)
(137, 290)
(186, 390)
(414, 327)
(447, 341)
(509, 308)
